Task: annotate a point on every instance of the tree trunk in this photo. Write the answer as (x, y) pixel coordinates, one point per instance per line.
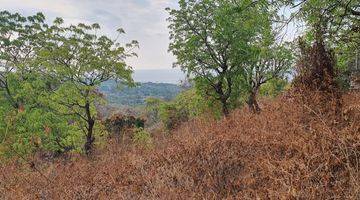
(89, 138)
(9, 96)
(252, 102)
(89, 135)
(225, 108)
(118, 134)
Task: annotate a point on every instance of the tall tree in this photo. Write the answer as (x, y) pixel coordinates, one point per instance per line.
(81, 60)
(271, 61)
(211, 39)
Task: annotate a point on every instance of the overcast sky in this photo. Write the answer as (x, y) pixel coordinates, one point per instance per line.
(142, 20)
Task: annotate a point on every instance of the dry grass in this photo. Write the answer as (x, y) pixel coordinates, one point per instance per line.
(274, 155)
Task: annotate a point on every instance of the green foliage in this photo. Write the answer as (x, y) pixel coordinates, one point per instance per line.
(346, 54)
(196, 105)
(212, 39)
(142, 137)
(81, 60)
(270, 61)
(187, 105)
(49, 76)
(172, 116)
(337, 19)
(23, 85)
(32, 130)
(274, 87)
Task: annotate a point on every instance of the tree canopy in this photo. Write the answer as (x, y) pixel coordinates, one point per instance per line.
(50, 75)
(211, 39)
(226, 46)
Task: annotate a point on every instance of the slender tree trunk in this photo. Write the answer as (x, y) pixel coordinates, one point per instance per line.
(252, 101)
(225, 108)
(10, 97)
(257, 107)
(89, 138)
(118, 134)
(89, 135)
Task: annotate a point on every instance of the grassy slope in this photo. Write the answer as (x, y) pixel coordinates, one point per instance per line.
(280, 153)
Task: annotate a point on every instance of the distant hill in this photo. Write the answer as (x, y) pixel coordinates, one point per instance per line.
(137, 95)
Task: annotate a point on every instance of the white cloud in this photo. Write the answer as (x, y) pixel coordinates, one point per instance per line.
(143, 20)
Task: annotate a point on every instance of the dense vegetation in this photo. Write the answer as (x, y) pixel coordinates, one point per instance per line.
(49, 77)
(238, 127)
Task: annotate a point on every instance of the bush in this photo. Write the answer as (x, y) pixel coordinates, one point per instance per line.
(31, 130)
(142, 137)
(172, 116)
(187, 105)
(118, 124)
(273, 87)
(152, 108)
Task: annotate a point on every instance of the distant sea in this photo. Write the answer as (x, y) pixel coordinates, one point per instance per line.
(173, 76)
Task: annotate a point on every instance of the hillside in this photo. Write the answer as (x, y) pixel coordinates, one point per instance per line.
(282, 153)
(262, 101)
(135, 96)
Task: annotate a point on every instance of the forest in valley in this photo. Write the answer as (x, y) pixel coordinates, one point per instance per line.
(258, 116)
(136, 96)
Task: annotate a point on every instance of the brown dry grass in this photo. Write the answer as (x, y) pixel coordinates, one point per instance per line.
(274, 155)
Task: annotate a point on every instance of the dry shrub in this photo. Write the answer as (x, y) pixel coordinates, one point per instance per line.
(315, 86)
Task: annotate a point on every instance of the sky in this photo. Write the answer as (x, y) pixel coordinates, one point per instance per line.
(142, 20)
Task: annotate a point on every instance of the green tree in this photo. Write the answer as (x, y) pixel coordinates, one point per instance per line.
(25, 119)
(81, 60)
(211, 39)
(271, 61)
